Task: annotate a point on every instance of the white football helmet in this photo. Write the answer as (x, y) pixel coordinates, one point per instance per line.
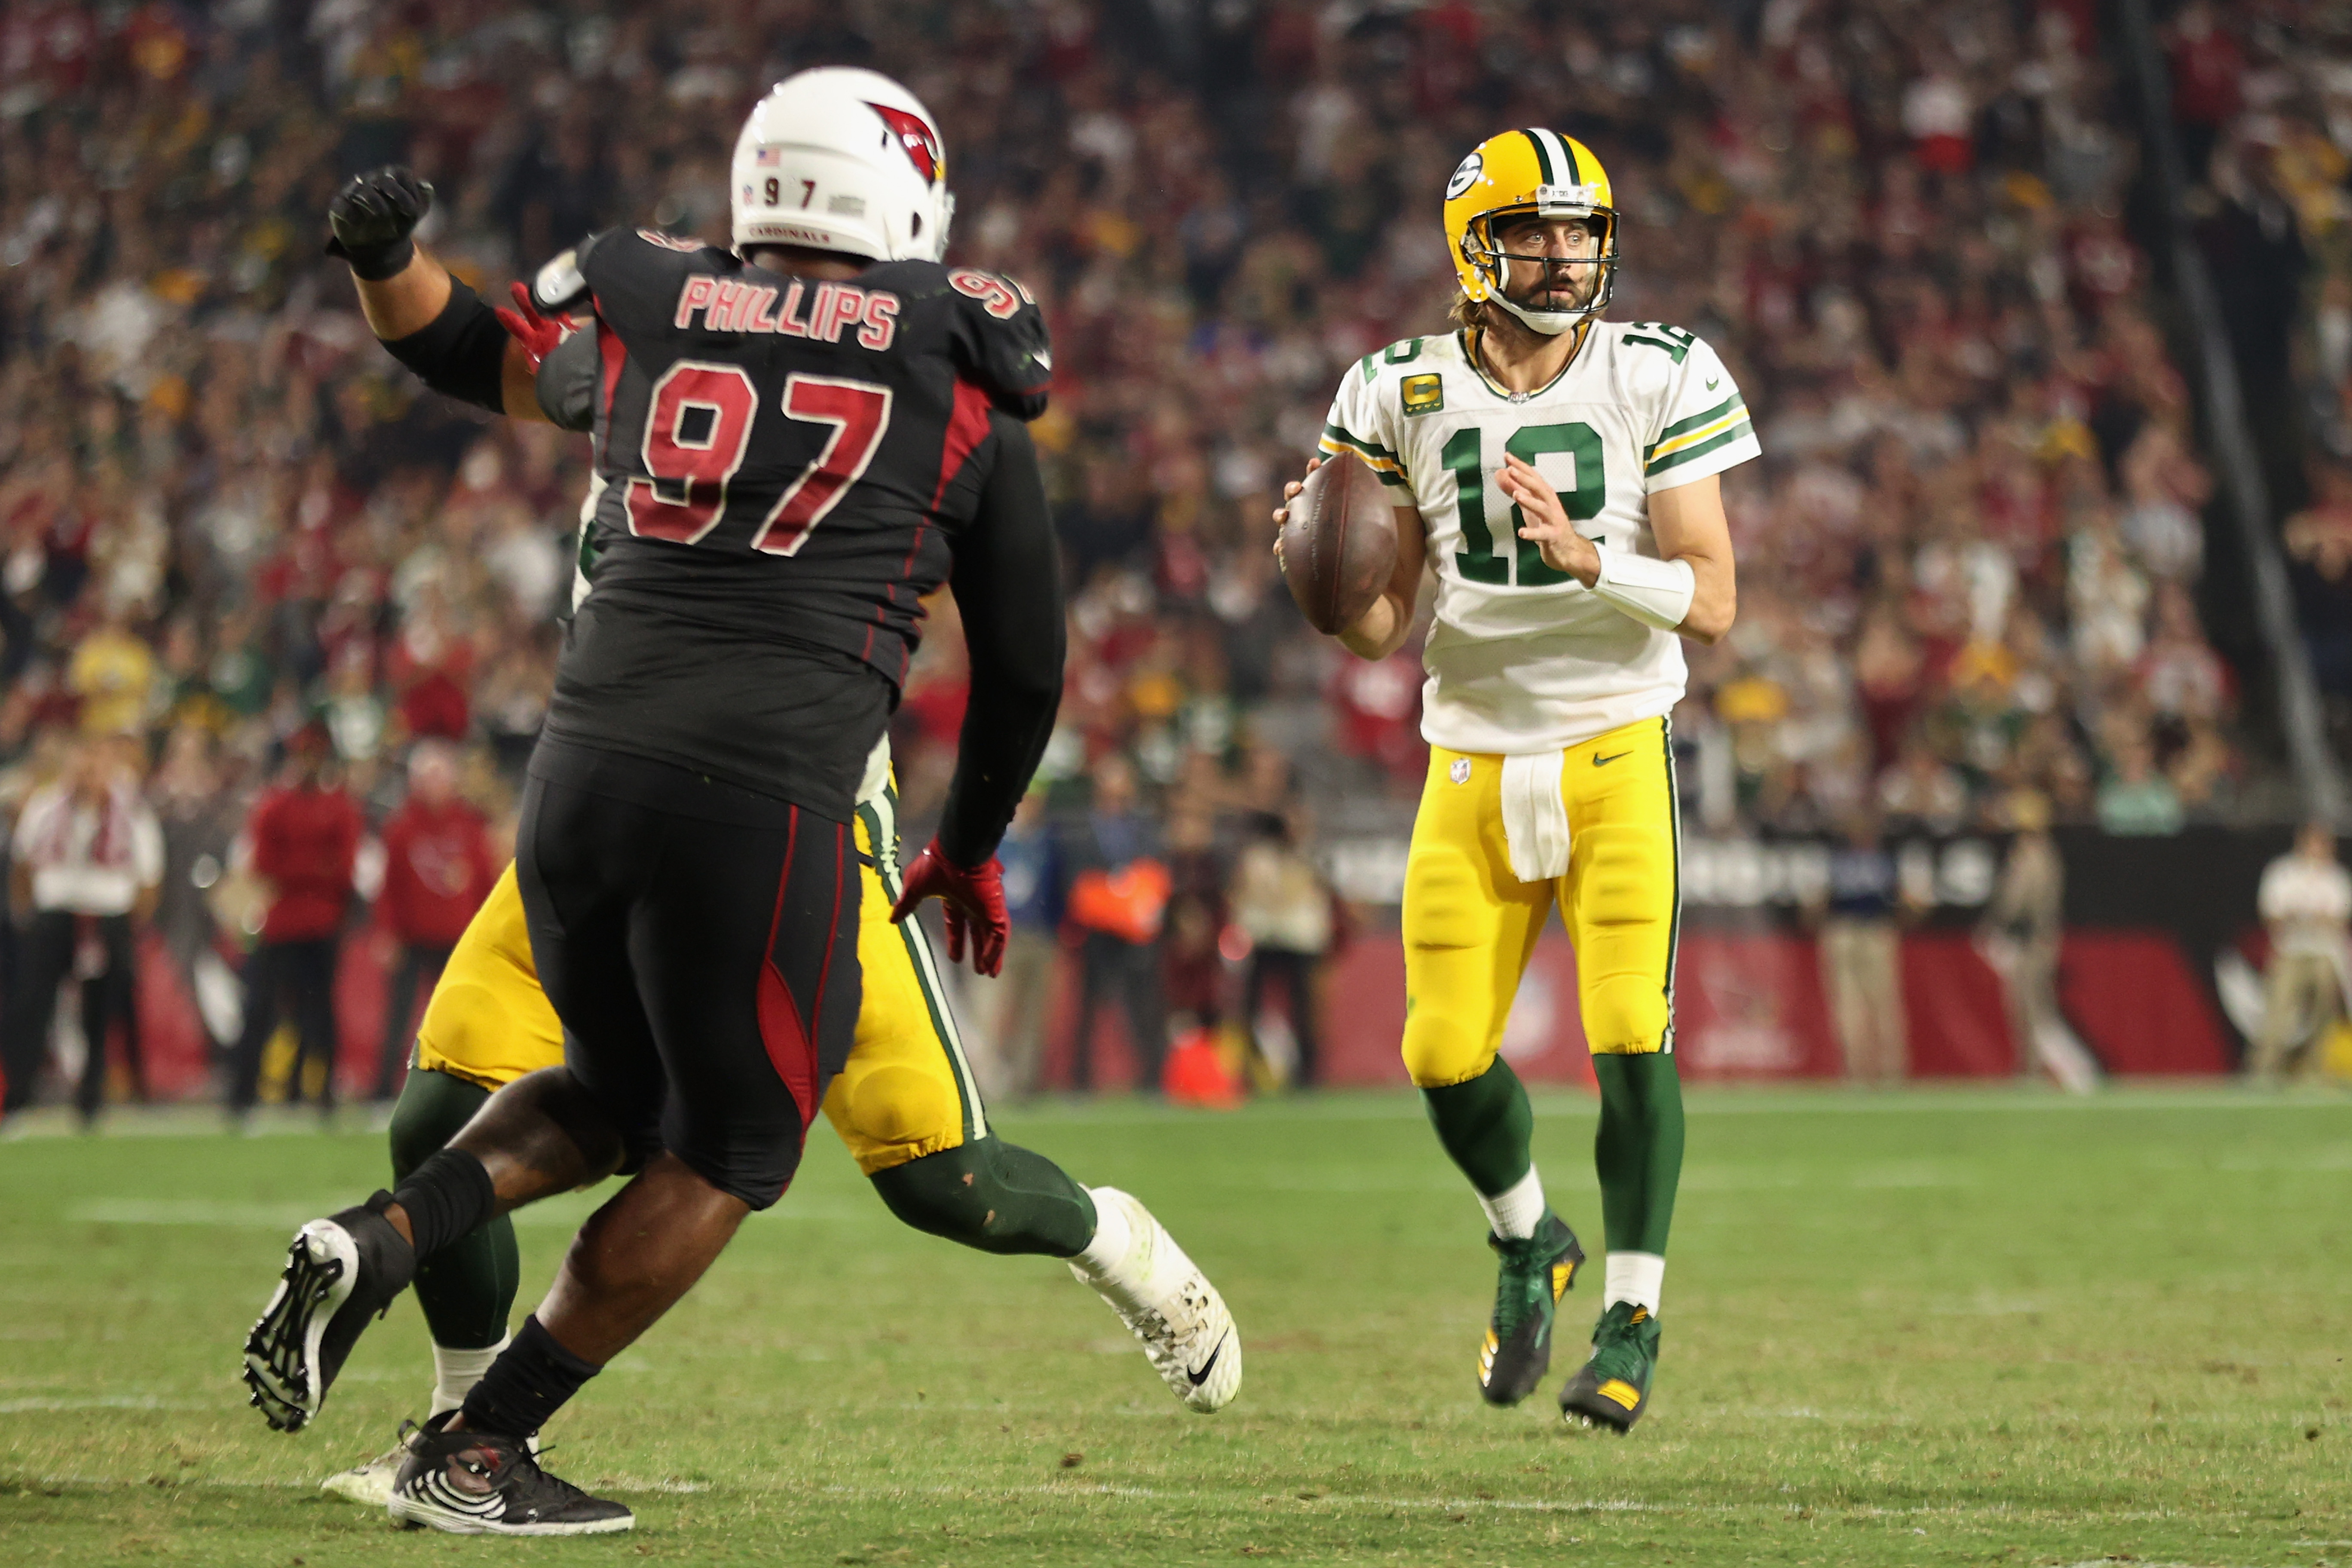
(843, 159)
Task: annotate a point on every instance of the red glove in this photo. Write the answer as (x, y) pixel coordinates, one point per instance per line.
(975, 902)
(537, 334)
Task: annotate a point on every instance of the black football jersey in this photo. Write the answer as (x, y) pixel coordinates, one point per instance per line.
(783, 466)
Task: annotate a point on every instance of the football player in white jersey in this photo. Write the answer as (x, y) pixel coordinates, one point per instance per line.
(1559, 473)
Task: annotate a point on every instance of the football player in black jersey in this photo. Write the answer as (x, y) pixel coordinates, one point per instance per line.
(790, 440)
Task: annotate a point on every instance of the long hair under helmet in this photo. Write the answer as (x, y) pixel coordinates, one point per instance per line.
(1533, 174)
(842, 159)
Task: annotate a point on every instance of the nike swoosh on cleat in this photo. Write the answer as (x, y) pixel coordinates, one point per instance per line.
(1599, 761)
(1207, 1367)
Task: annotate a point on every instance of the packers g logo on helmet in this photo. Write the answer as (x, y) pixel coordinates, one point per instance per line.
(1472, 167)
(1540, 173)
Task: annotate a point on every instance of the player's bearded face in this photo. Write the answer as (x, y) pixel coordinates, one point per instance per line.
(1549, 262)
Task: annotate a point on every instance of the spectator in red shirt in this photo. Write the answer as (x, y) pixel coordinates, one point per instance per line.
(438, 870)
(305, 837)
(2208, 72)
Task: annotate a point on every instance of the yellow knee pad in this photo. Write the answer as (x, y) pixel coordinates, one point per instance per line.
(1624, 1015)
(1442, 1048)
(896, 1107)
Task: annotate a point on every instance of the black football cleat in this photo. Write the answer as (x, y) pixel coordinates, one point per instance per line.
(1535, 1273)
(1612, 1389)
(339, 1273)
(482, 1483)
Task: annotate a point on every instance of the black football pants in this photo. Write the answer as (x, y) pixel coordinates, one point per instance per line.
(706, 971)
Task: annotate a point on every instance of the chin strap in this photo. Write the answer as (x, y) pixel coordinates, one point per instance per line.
(1550, 323)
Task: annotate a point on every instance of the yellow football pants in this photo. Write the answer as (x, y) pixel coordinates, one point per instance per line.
(1470, 925)
(907, 1091)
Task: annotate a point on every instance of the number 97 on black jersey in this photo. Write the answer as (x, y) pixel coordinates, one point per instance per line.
(782, 465)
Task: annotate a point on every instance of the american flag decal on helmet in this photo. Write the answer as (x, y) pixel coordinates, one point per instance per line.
(921, 142)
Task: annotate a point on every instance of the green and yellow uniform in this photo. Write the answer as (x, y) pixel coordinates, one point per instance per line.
(1551, 772)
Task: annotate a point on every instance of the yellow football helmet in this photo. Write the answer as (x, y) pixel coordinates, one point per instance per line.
(1537, 172)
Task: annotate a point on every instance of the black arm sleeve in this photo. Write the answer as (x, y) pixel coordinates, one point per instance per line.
(1008, 584)
(462, 353)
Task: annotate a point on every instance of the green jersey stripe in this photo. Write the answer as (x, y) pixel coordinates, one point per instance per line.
(1387, 473)
(1682, 425)
(1390, 474)
(1369, 449)
(1743, 430)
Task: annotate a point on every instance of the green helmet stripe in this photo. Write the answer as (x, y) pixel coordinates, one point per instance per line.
(1543, 157)
(1575, 164)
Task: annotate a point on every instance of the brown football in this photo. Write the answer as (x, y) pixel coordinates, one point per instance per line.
(1340, 545)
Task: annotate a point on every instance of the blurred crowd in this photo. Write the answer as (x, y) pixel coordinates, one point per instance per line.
(242, 554)
(2262, 99)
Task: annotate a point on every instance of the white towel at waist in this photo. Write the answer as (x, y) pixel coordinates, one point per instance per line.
(1534, 815)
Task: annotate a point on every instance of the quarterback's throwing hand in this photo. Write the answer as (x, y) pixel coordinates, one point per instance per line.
(975, 902)
(1545, 520)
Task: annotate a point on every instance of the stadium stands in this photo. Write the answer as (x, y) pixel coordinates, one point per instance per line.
(1969, 562)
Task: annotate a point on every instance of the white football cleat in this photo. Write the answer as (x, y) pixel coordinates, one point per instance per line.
(1162, 1296)
(370, 1485)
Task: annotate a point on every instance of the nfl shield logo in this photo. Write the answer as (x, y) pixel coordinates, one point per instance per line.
(1460, 772)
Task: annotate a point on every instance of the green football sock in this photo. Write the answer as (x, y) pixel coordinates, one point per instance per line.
(466, 1288)
(993, 1196)
(1485, 1124)
(1638, 1150)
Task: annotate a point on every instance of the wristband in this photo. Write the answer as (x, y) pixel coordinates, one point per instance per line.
(376, 264)
(1654, 593)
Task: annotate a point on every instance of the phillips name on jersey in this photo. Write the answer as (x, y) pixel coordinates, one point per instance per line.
(1524, 658)
(781, 467)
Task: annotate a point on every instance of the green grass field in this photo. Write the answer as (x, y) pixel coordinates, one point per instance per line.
(1931, 1328)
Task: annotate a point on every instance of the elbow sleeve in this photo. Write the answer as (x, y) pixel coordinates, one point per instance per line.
(462, 353)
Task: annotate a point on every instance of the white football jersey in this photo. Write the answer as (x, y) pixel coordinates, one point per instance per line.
(1524, 658)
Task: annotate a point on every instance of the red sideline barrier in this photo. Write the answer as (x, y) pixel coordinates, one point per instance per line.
(2137, 1004)
(171, 1032)
(1953, 1010)
(1748, 1005)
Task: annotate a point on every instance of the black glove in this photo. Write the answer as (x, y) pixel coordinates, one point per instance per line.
(372, 216)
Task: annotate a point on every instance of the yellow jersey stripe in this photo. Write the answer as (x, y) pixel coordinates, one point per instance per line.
(1704, 416)
(1742, 430)
(1692, 438)
(1389, 470)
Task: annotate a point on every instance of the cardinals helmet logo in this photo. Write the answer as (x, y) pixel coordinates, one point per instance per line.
(922, 142)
